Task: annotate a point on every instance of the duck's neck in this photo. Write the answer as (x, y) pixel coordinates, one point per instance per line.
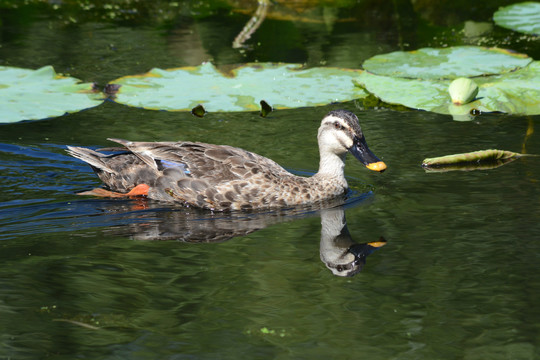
(332, 166)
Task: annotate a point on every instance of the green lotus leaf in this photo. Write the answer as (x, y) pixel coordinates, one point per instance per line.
(279, 85)
(39, 94)
(515, 93)
(446, 63)
(523, 17)
(416, 94)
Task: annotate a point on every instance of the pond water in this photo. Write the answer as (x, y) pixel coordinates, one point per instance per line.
(133, 279)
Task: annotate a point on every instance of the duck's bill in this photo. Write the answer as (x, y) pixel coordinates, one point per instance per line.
(361, 151)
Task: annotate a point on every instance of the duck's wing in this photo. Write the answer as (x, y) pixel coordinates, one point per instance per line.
(213, 163)
(209, 176)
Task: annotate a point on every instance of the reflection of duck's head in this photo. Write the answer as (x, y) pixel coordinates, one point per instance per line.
(339, 252)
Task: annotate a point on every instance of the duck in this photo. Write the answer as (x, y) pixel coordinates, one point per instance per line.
(225, 178)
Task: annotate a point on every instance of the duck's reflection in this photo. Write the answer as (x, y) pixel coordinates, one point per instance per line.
(338, 251)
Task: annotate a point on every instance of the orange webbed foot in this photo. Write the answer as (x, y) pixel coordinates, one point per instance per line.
(139, 190)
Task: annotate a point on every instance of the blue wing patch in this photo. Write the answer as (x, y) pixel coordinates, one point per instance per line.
(164, 164)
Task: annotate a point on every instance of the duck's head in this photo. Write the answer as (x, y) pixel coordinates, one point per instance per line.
(340, 132)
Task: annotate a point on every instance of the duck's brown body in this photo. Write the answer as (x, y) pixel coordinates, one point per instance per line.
(217, 177)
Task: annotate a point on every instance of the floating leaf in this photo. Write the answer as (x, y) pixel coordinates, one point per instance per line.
(446, 63)
(416, 94)
(282, 85)
(477, 160)
(483, 165)
(38, 94)
(474, 156)
(515, 93)
(523, 17)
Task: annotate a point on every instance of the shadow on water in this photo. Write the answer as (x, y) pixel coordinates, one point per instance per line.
(147, 220)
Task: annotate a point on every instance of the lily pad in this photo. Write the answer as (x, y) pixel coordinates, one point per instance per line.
(523, 17)
(279, 85)
(515, 93)
(38, 94)
(446, 63)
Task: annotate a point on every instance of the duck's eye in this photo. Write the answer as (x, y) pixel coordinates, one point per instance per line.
(338, 126)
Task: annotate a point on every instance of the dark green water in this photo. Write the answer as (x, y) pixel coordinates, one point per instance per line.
(457, 279)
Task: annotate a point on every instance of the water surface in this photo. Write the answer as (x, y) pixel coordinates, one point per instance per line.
(106, 278)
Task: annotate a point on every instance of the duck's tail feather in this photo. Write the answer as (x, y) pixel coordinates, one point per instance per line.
(91, 157)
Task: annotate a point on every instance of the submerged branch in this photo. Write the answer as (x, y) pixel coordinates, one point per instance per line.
(78, 323)
(252, 25)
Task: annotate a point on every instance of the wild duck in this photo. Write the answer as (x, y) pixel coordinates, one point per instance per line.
(221, 177)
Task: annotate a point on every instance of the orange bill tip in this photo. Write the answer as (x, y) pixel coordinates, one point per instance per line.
(377, 244)
(377, 166)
